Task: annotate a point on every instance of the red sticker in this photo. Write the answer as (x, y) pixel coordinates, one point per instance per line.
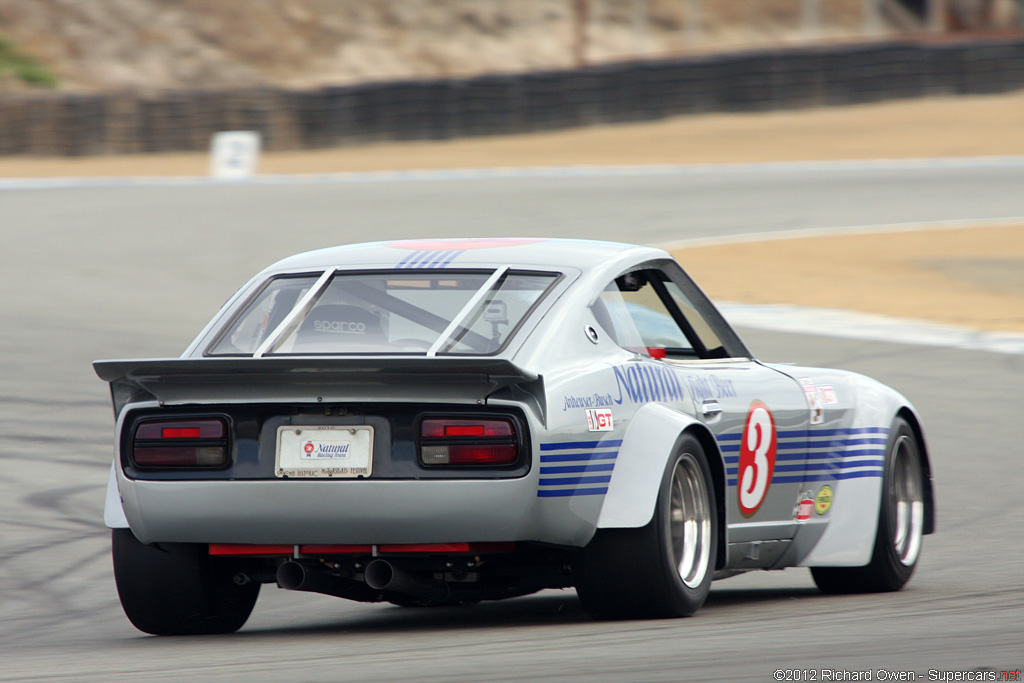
(469, 243)
(757, 458)
(804, 509)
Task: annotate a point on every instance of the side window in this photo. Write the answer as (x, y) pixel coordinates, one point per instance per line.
(709, 340)
(645, 312)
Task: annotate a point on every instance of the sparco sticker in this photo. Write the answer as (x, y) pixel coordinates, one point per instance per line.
(599, 420)
(757, 458)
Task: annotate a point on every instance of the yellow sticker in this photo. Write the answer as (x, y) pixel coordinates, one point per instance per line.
(823, 501)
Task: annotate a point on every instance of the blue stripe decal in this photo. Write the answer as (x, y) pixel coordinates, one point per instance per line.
(575, 481)
(813, 433)
(810, 457)
(787, 468)
(580, 444)
(870, 462)
(787, 446)
(430, 258)
(823, 452)
(822, 477)
(564, 493)
(427, 256)
(404, 263)
(455, 254)
(574, 457)
(437, 258)
(569, 469)
(847, 475)
(825, 455)
(415, 259)
(866, 442)
(581, 458)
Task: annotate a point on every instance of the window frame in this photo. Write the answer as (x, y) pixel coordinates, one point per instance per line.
(732, 347)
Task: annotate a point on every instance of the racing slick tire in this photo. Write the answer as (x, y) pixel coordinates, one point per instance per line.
(178, 589)
(664, 569)
(900, 524)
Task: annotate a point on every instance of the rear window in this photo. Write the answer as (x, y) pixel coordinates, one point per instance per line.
(443, 312)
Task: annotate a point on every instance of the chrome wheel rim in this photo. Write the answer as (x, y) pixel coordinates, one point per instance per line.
(906, 503)
(690, 521)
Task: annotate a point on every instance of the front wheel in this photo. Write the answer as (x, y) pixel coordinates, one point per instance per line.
(900, 524)
(178, 589)
(663, 569)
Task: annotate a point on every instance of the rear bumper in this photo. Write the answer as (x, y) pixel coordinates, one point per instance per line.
(335, 512)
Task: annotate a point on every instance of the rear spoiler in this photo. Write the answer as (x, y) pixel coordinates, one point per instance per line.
(188, 381)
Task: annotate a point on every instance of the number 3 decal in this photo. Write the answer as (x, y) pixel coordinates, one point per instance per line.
(757, 458)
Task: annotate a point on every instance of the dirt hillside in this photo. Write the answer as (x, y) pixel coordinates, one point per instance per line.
(166, 44)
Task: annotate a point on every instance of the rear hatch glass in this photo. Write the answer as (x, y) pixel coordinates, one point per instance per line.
(471, 312)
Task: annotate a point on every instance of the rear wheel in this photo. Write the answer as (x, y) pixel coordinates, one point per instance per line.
(900, 524)
(178, 589)
(663, 569)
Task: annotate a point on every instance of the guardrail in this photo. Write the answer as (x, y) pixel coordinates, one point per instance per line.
(75, 125)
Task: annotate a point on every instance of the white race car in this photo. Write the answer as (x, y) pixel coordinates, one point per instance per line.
(447, 421)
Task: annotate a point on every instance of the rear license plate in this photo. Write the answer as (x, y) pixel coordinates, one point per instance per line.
(321, 451)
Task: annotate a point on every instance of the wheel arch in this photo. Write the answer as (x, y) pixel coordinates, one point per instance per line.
(717, 466)
(651, 439)
(926, 467)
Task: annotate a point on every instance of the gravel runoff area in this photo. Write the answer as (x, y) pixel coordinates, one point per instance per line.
(970, 276)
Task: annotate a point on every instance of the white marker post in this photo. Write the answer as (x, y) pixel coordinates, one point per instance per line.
(234, 154)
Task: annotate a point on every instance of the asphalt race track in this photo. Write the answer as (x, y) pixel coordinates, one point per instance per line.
(125, 270)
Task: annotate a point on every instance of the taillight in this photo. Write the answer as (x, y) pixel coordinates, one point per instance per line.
(468, 442)
(181, 443)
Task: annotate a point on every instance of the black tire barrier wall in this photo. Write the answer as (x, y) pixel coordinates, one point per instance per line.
(76, 125)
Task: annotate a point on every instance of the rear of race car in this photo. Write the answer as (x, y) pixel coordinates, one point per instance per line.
(366, 489)
(359, 431)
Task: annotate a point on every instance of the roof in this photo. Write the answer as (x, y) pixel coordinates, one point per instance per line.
(583, 255)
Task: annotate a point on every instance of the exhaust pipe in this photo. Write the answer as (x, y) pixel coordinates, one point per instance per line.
(382, 575)
(294, 576)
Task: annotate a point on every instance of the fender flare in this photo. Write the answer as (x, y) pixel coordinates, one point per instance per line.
(650, 440)
(848, 540)
(113, 512)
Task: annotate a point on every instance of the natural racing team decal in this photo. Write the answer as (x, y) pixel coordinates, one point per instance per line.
(757, 458)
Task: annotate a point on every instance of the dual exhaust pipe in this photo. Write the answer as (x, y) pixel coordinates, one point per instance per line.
(379, 575)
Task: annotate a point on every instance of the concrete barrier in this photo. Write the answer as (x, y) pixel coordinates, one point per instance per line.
(74, 125)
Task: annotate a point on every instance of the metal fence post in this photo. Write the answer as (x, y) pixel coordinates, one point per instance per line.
(693, 19)
(639, 25)
(937, 15)
(873, 17)
(810, 18)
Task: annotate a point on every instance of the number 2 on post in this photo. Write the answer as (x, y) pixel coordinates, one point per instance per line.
(757, 458)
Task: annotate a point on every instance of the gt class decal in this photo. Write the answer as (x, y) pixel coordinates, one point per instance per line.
(600, 420)
(757, 458)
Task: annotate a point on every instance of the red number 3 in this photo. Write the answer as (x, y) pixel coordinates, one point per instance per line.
(757, 458)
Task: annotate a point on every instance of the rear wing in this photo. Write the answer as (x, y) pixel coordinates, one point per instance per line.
(187, 381)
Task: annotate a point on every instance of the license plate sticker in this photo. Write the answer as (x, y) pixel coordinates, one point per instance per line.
(325, 451)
